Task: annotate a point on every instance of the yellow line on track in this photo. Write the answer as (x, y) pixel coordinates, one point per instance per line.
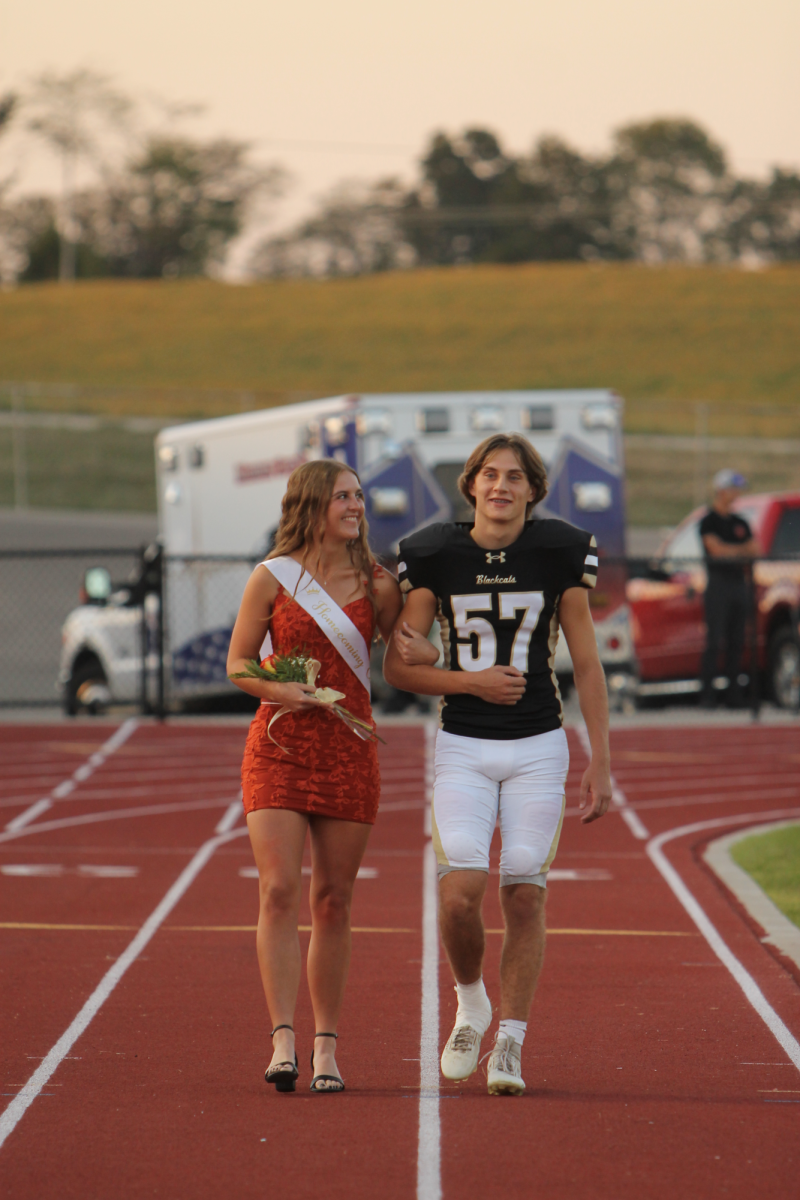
(616, 932)
(252, 929)
(43, 925)
(32, 925)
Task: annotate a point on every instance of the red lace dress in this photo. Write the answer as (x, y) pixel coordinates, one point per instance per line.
(331, 771)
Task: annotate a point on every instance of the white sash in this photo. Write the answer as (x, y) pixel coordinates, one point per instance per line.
(334, 623)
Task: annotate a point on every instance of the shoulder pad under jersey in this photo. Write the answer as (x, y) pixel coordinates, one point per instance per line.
(552, 533)
(429, 540)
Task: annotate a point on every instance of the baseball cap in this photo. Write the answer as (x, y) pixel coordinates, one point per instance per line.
(728, 479)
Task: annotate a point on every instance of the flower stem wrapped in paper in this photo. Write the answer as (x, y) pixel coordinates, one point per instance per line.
(300, 668)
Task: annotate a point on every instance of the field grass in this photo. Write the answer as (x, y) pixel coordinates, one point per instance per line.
(661, 483)
(112, 468)
(773, 859)
(663, 338)
(108, 469)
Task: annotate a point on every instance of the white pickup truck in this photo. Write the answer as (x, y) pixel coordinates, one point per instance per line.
(220, 484)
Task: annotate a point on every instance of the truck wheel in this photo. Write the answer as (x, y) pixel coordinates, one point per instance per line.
(87, 689)
(784, 669)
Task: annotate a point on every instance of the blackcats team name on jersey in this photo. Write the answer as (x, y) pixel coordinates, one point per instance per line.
(500, 607)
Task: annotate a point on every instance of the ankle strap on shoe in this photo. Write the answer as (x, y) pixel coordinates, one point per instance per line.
(316, 1035)
(277, 1027)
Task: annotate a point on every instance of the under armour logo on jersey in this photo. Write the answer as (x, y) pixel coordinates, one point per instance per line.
(490, 558)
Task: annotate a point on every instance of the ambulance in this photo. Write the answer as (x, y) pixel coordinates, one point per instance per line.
(220, 484)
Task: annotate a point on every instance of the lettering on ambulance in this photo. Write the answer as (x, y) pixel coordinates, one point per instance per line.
(466, 626)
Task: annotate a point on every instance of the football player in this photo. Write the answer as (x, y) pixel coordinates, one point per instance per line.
(501, 588)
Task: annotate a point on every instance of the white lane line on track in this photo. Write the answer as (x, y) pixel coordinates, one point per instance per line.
(117, 814)
(252, 872)
(618, 797)
(81, 773)
(49, 870)
(429, 1171)
(742, 976)
(726, 797)
(232, 814)
(430, 750)
(41, 1076)
(114, 814)
(160, 783)
(429, 1181)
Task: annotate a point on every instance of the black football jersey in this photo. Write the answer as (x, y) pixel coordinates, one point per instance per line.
(500, 607)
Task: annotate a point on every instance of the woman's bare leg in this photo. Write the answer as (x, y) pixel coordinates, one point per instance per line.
(337, 848)
(277, 836)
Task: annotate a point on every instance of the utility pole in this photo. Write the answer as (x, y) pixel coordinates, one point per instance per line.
(19, 443)
(67, 252)
(700, 453)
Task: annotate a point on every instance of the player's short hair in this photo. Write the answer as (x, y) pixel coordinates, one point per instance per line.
(529, 459)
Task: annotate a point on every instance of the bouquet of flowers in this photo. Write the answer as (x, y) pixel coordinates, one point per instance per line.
(297, 667)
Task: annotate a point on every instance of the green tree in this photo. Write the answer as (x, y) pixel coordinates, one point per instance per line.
(73, 114)
(177, 205)
(668, 186)
(356, 230)
(8, 103)
(478, 203)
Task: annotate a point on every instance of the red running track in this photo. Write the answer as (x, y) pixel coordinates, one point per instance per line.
(649, 1072)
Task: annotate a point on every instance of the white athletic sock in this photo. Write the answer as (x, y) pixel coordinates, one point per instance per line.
(514, 1029)
(474, 1006)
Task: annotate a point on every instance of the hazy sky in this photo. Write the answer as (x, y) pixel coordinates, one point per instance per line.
(352, 88)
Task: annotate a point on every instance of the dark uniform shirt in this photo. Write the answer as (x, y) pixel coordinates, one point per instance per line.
(500, 607)
(734, 531)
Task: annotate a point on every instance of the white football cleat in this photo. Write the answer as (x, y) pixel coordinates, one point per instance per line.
(460, 1055)
(504, 1073)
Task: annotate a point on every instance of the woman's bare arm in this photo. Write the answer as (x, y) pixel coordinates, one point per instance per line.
(388, 600)
(247, 639)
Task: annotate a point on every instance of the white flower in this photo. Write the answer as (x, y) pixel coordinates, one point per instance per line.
(312, 670)
(328, 695)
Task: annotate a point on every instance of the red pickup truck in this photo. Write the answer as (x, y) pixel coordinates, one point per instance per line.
(666, 603)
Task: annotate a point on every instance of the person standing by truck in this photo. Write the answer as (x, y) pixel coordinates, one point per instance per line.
(729, 548)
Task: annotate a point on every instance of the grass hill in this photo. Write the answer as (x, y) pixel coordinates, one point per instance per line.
(664, 338)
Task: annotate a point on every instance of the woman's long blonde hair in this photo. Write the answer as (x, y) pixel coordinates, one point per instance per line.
(303, 510)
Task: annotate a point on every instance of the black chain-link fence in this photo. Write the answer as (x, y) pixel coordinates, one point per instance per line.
(38, 591)
(201, 600)
(157, 636)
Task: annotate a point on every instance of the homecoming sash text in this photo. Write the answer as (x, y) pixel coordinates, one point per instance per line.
(332, 620)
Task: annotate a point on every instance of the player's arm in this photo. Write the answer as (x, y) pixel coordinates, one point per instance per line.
(388, 600)
(497, 685)
(590, 683)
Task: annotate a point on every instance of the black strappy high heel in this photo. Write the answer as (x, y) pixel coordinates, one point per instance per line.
(325, 1078)
(283, 1074)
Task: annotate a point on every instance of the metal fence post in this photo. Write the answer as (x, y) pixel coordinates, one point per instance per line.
(160, 584)
(19, 448)
(151, 584)
(144, 698)
(755, 688)
(700, 453)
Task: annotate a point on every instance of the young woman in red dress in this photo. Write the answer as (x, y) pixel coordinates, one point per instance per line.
(329, 784)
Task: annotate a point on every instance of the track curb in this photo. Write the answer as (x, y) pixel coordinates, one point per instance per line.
(780, 932)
